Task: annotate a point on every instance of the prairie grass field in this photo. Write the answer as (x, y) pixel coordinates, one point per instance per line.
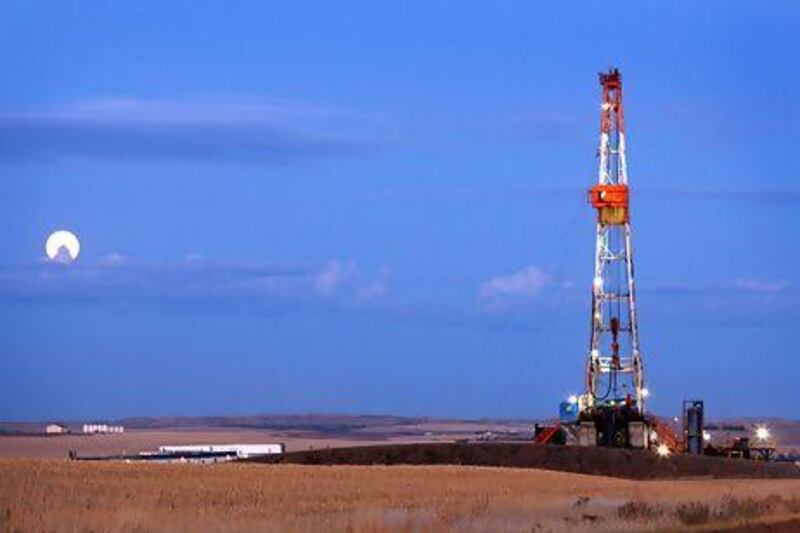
(59, 495)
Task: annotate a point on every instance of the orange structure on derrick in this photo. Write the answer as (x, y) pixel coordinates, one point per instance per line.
(611, 202)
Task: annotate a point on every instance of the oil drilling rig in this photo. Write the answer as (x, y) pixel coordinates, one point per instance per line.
(611, 411)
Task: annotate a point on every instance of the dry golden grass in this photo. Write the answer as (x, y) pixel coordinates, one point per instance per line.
(38, 495)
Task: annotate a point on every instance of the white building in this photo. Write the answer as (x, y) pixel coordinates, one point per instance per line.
(55, 429)
(102, 428)
(242, 451)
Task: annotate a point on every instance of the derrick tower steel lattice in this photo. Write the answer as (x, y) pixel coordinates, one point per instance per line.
(614, 371)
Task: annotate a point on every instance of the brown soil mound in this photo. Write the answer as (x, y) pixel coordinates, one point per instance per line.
(624, 463)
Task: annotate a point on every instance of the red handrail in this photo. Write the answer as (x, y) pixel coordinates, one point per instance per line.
(545, 436)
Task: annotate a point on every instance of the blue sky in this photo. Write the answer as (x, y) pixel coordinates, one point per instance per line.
(364, 207)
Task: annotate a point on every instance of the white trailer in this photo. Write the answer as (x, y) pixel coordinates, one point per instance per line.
(242, 451)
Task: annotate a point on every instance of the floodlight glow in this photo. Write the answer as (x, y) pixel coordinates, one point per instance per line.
(645, 393)
(662, 450)
(762, 433)
(572, 399)
(706, 436)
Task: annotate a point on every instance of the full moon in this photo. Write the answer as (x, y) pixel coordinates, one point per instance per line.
(62, 246)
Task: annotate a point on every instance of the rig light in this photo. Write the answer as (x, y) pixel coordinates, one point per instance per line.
(762, 433)
(663, 450)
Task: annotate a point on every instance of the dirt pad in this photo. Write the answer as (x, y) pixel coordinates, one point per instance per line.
(623, 463)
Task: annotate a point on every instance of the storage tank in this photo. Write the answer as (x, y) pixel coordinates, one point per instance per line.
(693, 426)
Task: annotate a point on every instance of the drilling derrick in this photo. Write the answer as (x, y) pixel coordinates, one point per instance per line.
(611, 410)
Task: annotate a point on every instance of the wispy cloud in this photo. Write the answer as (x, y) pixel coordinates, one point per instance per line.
(736, 286)
(532, 288)
(116, 280)
(500, 292)
(757, 285)
(129, 129)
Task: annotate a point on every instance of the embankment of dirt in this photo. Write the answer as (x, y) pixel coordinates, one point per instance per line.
(623, 463)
